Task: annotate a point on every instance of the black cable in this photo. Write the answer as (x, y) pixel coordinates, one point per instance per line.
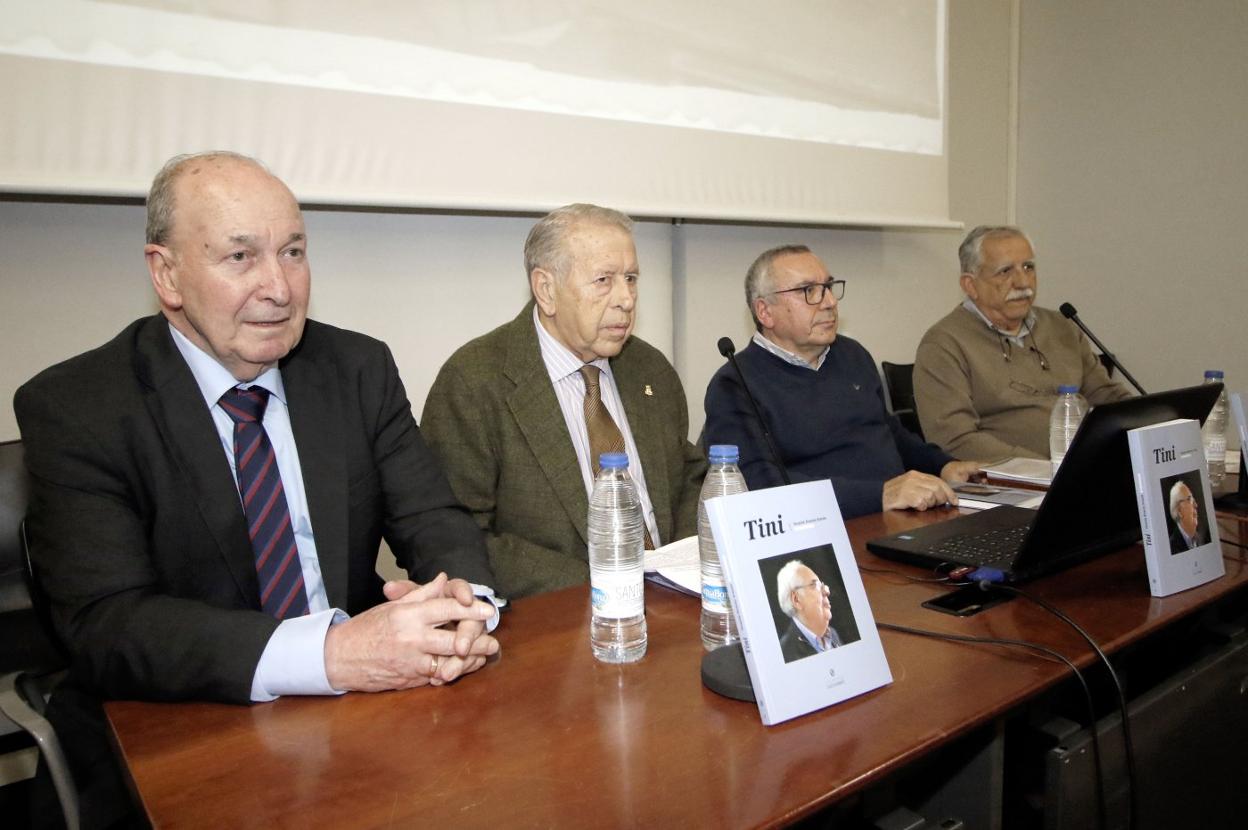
(1101, 805)
(1128, 746)
(905, 576)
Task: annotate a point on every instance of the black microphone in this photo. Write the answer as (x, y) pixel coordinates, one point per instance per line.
(1068, 311)
(730, 351)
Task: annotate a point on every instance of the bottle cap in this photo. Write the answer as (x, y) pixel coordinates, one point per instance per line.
(613, 460)
(1066, 389)
(1214, 374)
(724, 454)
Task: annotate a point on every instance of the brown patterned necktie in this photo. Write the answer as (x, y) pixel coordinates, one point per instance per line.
(604, 435)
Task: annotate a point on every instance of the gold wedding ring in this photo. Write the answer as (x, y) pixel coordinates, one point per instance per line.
(433, 670)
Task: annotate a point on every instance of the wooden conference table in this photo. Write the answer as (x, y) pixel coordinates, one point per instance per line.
(546, 736)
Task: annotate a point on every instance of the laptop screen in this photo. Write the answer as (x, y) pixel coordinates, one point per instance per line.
(1090, 506)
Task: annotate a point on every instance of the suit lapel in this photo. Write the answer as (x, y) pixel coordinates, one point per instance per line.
(317, 424)
(185, 425)
(647, 432)
(533, 404)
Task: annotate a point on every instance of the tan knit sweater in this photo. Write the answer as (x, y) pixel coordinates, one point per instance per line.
(979, 406)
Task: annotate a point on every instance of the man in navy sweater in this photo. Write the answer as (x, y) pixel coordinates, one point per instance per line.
(821, 398)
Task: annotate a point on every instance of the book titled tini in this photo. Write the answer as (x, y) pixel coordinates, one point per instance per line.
(1175, 502)
(807, 630)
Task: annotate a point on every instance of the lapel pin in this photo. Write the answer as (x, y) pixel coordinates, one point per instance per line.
(857, 387)
(649, 391)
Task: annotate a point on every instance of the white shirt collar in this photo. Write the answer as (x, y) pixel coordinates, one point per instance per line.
(808, 634)
(559, 359)
(788, 356)
(1028, 325)
(214, 380)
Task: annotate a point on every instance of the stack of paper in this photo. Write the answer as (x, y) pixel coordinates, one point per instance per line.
(676, 565)
(977, 496)
(1027, 470)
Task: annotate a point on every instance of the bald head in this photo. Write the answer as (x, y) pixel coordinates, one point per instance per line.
(227, 258)
(161, 198)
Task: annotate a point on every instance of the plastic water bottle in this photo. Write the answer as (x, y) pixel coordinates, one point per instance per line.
(1067, 414)
(617, 628)
(719, 628)
(1213, 433)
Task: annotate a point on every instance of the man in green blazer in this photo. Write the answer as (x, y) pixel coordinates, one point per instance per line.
(507, 413)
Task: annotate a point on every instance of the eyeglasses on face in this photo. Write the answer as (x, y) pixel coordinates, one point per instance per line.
(814, 291)
(817, 584)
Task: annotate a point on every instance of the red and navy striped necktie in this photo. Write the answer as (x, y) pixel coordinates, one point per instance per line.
(282, 593)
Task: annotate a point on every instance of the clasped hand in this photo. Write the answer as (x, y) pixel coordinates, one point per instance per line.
(422, 634)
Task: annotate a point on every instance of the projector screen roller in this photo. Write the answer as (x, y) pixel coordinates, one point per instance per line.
(800, 111)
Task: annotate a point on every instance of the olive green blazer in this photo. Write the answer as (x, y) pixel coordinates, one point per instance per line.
(493, 418)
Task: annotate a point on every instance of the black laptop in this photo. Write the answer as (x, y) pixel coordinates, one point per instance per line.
(1089, 510)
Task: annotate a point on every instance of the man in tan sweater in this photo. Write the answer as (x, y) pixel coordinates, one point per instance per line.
(986, 375)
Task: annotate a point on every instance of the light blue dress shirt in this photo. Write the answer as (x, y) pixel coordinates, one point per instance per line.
(293, 661)
(827, 642)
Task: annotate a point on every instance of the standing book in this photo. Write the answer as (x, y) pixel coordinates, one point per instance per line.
(1176, 506)
(806, 627)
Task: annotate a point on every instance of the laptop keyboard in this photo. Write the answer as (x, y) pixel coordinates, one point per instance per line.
(993, 548)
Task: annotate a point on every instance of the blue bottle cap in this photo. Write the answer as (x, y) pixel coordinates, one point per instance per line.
(613, 460)
(724, 454)
(1214, 374)
(1066, 389)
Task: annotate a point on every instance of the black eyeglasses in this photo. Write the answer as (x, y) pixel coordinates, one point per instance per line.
(815, 291)
(1007, 352)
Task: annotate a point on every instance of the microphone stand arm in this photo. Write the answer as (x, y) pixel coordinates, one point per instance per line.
(771, 445)
(1108, 354)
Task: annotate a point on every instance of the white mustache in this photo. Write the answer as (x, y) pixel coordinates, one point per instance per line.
(1021, 294)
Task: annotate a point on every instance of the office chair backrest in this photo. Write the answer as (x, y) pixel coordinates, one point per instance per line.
(31, 659)
(899, 383)
(24, 641)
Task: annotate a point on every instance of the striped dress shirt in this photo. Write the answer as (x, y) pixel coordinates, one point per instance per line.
(564, 369)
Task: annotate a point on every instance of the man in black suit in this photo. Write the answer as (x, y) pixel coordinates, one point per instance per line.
(161, 575)
(1185, 512)
(803, 596)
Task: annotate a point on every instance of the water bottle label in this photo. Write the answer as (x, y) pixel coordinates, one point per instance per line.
(715, 597)
(616, 595)
(1215, 447)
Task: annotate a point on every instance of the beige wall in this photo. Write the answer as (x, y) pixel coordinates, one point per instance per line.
(979, 101)
(1133, 180)
(71, 276)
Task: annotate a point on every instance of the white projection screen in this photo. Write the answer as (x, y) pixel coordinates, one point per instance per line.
(792, 111)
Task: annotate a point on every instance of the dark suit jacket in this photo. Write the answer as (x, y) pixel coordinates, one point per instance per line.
(794, 646)
(1179, 545)
(493, 417)
(136, 526)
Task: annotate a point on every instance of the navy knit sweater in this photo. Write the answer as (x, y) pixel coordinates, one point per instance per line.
(826, 424)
